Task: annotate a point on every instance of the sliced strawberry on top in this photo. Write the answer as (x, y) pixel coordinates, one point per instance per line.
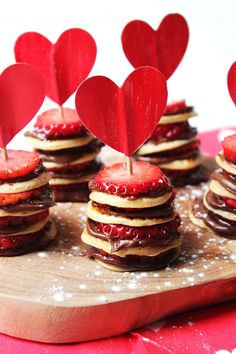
(229, 146)
(19, 163)
(175, 107)
(53, 123)
(116, 180)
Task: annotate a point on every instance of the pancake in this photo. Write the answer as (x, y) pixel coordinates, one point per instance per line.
(51, 145)
(177, 118)
(122, 202)
(18, 187)
(151, 148)
(96, 215)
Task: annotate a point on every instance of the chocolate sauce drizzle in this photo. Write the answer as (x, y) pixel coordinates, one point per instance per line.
(165, 211)
(133, 262)
(225, 180)
(68, 155)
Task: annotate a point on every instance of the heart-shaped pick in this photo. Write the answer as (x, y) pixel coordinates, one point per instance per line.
(163, 49)
(22, 93)
(63, 65)
(125, 117)
(231, 80)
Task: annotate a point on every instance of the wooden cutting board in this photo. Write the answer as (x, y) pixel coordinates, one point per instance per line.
(59, 296)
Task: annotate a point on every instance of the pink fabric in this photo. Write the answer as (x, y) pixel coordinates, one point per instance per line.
(206, 330)
(210, 141)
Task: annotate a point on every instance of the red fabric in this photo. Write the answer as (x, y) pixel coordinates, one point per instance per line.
(201, 331)
(206, 330)
(210, 141)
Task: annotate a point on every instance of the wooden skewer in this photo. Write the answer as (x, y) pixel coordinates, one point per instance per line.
(4, 154)
(61, 111)
(129, 165)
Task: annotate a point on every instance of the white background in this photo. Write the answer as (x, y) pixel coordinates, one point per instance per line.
(201, 76)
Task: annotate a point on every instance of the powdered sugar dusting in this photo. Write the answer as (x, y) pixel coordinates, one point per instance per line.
(201, 254)
(65, 277)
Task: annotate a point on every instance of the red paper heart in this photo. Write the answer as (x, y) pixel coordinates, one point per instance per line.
(163, 49)
(22, 93)
(63, 65)
(125, 117)
(231, 80)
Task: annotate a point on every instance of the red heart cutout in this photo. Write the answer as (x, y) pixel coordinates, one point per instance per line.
(125, 117)
(63, 65)
(231, 80)
(22, 93)
(163, 49)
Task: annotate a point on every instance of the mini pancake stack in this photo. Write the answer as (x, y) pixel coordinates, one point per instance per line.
(132, 223)
(217, 210)
(25, 198)
(174, 147)
(69, 153)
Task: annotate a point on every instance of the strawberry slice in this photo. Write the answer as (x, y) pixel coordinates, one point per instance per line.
(13, 198)
(19, 163)
(229, 146)
(6, 199)
(19, 243)
(52, 124)
(128, 232)
(7, 221)
(116, 180)
(230, 202)
(170, 131)
(175, 107)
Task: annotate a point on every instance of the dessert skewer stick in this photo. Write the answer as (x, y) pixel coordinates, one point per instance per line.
(4, 154)
(61, 111)
(129, 163)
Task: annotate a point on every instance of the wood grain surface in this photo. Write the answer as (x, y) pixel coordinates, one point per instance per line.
(58, 295)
